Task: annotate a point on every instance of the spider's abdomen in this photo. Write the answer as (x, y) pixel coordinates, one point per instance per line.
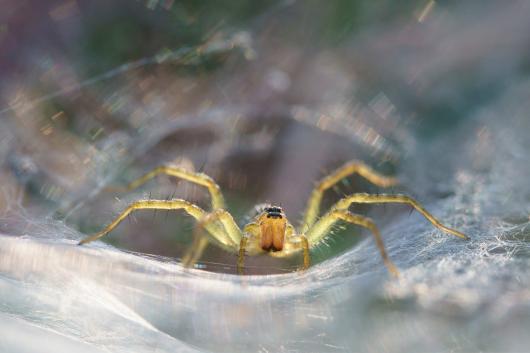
(272, 224)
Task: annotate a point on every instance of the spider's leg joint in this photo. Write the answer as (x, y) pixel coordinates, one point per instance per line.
(350, 168)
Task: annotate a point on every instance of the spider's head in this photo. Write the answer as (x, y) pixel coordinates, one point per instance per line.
(274, 212)
(272, 223)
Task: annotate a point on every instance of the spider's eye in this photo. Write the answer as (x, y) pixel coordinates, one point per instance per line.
(274, 212)
(273, 209)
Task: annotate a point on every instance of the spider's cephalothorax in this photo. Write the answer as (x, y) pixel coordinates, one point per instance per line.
(270, 232)
(272, 223)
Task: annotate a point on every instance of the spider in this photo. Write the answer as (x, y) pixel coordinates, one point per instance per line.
(270, 232)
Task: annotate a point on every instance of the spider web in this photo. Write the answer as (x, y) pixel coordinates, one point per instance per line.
(451, 294)
(104, 299)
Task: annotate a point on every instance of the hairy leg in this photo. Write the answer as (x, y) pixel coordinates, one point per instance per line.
(353, 167)
(345, 203)
(305, 247)
(177, 204)
(196, 250)
(196, 178)
(251, 230)
(201, 239)
(241, 255)
(322, 227)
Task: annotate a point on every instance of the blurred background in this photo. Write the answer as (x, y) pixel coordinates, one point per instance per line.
(267, 97)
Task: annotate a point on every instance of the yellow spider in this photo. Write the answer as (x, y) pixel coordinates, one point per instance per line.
(270, 232)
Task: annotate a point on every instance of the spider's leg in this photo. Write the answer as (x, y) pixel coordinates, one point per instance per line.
(196, 178)
(321, 229)
(241, 255)
(194, 253)
(345, 203)
(193, 210)
(201, 241)
(352, 167)
(305, 247)
(250, 230)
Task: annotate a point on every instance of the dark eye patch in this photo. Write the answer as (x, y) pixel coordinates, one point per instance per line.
(273, 209)
(274, 212)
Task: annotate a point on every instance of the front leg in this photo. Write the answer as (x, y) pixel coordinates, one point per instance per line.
(250, 231)
(348, 169)
(345, 203)
(229, 241)
(181, 173)
(177, 204)
(305, 247)
(322, 227)
(241, 255)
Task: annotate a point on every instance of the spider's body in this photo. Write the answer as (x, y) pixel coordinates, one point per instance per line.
(273, 224)
(270, 232)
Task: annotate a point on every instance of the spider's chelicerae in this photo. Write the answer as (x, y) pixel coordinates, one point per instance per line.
(270, 232)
